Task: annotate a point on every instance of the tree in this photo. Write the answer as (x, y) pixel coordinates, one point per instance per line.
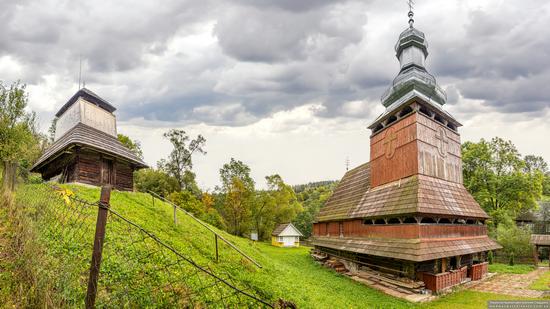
(238, 200)
(236, 169)
(180, 159)
(286, 205)
(498, 178)
(52, 129)
(312, 197)
(187, 201)
(19, 140)
(514, 240)
(155, 181)
(238, 196)
(546, 184)
(535, 163)
(133, 145)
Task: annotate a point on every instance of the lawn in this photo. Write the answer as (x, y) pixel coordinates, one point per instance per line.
(542, 283)
(507, 269)
(288, 273)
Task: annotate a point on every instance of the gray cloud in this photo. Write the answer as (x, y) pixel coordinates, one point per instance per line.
(234, 62)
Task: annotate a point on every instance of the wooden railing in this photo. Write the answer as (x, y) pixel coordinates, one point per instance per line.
(216, 235)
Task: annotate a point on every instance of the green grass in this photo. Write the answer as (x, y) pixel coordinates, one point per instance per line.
(542, 283)
(507, 269)
(287, 273)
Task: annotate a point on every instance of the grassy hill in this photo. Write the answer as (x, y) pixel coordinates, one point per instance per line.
(55, 272)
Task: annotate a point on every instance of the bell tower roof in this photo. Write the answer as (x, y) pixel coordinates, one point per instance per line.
(413, 83)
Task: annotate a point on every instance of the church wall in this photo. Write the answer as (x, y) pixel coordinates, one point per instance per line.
(394, 152)
(97, 117)
(438, 156)
(88, 114)
(89, 168)
(67, 121)
(124, 177)
(356, 228)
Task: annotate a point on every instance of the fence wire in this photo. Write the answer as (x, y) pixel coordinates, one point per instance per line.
(137, 269)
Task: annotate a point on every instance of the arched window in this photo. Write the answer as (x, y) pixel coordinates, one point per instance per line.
(409, 220)
(405, 111)
(439, 119)
(393, 221)
(391, 120)
(426, 112)
(427, 220)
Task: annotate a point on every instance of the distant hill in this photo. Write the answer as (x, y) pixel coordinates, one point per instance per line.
(310, 185)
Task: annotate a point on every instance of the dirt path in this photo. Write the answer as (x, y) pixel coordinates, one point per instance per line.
(512, 284)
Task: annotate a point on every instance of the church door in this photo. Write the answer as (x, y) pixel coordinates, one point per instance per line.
(107, 172)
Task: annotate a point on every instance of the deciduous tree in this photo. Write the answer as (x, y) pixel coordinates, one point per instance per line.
(19, 140)
(179, 163)
(133, 145)
(499, 179)
(238, 192)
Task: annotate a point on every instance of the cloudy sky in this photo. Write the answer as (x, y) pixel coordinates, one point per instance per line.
(286, 86)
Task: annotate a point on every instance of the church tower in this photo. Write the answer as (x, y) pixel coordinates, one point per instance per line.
(86, 149)
(406, 212)
(414, 128)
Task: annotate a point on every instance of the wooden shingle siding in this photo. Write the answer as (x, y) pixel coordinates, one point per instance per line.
(87, 136)
(415, 195)
(356, 228)
(541, 240)
(416, 249)
(347, 194)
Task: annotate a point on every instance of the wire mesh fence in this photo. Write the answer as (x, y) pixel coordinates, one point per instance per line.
(137, 268)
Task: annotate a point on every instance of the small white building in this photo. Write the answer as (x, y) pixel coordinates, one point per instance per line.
(286, 235)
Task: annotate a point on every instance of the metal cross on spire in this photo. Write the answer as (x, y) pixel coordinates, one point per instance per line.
(411, 14)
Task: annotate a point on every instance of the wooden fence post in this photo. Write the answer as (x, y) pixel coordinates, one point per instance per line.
(175, 216)
(9, 176)
(101, 223)
(536, 255)
(216, 236)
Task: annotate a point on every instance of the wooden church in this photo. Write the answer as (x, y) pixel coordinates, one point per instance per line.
(406, 212)
(86, 149)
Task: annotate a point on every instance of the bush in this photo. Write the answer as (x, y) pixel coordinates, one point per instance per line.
(514, 240)
(490, 257)
(511, 262)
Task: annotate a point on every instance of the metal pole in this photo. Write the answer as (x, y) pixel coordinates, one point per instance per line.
(216, 237)
(101, 223)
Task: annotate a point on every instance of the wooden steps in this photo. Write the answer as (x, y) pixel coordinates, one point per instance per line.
(336, 265)
(403, 285)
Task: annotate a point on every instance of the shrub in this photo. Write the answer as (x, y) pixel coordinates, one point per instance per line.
(514, 240)
(511, 262)
(490, 257)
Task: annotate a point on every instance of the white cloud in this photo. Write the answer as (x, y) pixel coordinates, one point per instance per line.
(286, 86)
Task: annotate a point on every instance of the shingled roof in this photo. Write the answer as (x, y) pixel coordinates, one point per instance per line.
(84, 135)
(281, 227)
(347, 194)
(417, 250)
(89, 96)
(540, 240)
(418, 194)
